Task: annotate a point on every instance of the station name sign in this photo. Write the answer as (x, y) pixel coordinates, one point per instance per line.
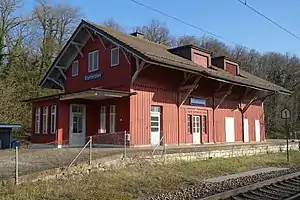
(93, 76)
(198, 101)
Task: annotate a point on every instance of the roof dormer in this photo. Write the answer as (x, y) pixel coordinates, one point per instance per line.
(197, 55)
(228, 64)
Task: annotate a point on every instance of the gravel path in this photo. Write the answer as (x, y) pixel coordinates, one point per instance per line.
(207, 189)
(34, 160)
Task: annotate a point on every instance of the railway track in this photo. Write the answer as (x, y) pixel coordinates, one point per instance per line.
(285, 187)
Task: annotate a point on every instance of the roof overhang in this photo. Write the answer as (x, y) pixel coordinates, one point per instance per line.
(96, 94)
(92, 94)
(55, 76)
(209, 76)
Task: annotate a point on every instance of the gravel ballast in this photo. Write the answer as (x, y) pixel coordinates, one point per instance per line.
(207, 189)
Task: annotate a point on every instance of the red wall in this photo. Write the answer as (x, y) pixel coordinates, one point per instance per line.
(114, 77)
(154, 88)
(42, 137)
(140, 109)
(92, 119)
(200, 59)
(232, 69)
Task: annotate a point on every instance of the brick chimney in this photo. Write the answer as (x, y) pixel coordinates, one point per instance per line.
(138, 34)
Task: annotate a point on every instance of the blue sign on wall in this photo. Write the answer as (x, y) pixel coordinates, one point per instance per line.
(93, 76)
(198, 101)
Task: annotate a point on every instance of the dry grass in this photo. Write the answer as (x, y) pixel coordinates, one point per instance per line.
(35, 160)
(132, 182)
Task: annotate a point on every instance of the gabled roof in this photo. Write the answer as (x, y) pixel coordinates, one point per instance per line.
(160, 55)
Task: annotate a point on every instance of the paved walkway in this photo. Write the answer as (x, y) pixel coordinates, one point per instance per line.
(243, 174)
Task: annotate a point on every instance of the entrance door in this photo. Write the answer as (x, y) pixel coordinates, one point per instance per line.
(196, 130)
(246, 130)
(257, 131)
(155, 125)
(77, 125)
(229, 129)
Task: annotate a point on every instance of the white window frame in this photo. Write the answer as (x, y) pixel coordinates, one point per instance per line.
(93, 63)
(37, 120)
(45, 119)
(75, 63)
(196, 124)
(116, 49)
(103, 119)
(112, 119)
(53, 119)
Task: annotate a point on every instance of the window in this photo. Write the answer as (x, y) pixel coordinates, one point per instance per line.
(114, 56)
(203, 124)
(37, 120)
(77, 118)
(112, 119)
(155, 109)
(75, 68)
(45, 119)
(53, 119)
(93, 61)
(196, 124)
(103, 119)
(189, 124)
(77, 109)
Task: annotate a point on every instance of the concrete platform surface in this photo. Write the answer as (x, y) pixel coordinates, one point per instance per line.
(243, 174)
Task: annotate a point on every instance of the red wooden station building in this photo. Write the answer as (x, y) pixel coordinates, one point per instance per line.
(114, 82)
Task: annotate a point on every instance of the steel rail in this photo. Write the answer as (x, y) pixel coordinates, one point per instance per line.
(248, 188)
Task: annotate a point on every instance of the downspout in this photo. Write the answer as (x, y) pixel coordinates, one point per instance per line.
(213, 114)
(178, 119)
(243, 127)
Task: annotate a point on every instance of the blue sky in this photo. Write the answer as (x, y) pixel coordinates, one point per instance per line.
(227, 18)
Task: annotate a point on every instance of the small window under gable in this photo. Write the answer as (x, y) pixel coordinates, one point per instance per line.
(114, 57)
(93, 61)
(75, 68)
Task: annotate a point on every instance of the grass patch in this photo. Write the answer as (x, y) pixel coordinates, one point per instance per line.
(133, 182)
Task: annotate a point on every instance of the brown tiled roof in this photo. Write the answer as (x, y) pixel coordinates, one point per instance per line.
(160, 55)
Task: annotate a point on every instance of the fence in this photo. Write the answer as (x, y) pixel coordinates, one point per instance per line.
(21, 161)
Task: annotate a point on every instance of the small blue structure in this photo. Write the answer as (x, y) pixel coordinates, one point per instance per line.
(6, 135)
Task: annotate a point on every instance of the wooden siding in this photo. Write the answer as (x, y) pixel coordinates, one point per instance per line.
(42, 137)
(140, 105)
(231, 68)
(200, 59)
(113, 77)
(140, 118)
(92, 119)
(153, 88)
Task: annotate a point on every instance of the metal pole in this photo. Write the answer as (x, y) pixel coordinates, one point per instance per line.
(17, 166)
(164, 143)
(125, 138)
(91, 149)
(287, 141)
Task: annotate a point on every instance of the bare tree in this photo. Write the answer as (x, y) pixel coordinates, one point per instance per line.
(215, 46)
(113, 24)
(186, 40)
(8, 22)
(53, 25)
(157, 32)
